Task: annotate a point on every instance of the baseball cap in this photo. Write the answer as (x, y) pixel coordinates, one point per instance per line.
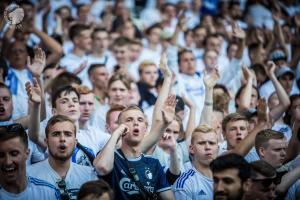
(285, 70)
(277, 55)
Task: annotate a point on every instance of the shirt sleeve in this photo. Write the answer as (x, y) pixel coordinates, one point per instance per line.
(162, 183)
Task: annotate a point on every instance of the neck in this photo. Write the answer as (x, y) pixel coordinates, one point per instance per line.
(78, 52)
(82, 124)
(131, 151)
(61, 167)
(98, 53)
(16, 187)
(100, 93)
(152, 46)
(205, 170)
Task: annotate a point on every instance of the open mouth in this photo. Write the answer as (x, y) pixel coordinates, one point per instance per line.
(8, 170)
(62, 147)
(2, 111)
(136, 131)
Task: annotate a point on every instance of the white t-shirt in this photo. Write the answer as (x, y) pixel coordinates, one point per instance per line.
(71, 62)
(35, 189)
(76, 175)
(92, 138)
(192, 184)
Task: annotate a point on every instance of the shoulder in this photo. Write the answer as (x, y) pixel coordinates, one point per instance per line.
(35, 168)
(43, 188)
(180, 183)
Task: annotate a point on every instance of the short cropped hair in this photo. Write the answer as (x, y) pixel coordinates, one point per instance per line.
(144, 65)
(67, 90)
(263, 168)
(76, 30)
(58, 119)
(262, 138)
(202, 129)
(12, 131)
(232, 161)
(233, 117)
(181, 52)
(131, 107)
(112, 109)
(96, 189)
(95, 66)
(82, 90)
(121, 41)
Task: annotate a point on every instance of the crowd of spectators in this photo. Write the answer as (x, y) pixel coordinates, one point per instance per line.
(152, 99)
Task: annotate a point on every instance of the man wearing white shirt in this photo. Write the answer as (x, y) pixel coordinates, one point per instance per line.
(189, 81)
(58, 168)
(75, 62)
(197, 182)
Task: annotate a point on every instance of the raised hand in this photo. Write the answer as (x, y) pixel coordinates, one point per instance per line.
(34, 91)
(173, 143)
(121, 131)
(168, 111)
(182, 21)
(262, 114)
(248, 74)
(210, 79)
(237, 32)
(39, 62)
(164, 66)
(270, 69)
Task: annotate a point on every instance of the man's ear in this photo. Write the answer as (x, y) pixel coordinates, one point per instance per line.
(191, 149)
(54, 112)
(261, 152)
(27, 152)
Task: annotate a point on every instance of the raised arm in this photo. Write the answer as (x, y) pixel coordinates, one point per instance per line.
(278, 31)
(288, 180)
(51, 44)
(240, 35)
(210, 81)
(34, 95)
(245, 97)
(179, 27)
(191, 121)
(104, 162)
(162, 115)
(284, 100)
(247, 143)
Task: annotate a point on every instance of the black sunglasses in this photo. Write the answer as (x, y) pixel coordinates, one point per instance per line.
(12, 128)
(63, 186)
(268, 181)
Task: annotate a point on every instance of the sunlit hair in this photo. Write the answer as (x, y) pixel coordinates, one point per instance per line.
(203, 129)
(82, 89)
(233, 117)
(145, 64)
(128, 108)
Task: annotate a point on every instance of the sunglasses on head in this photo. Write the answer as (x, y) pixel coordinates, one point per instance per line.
(268, 181)
(12, 128)
(63, 186)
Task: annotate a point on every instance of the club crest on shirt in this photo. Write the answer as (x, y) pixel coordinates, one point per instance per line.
(148, 174)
